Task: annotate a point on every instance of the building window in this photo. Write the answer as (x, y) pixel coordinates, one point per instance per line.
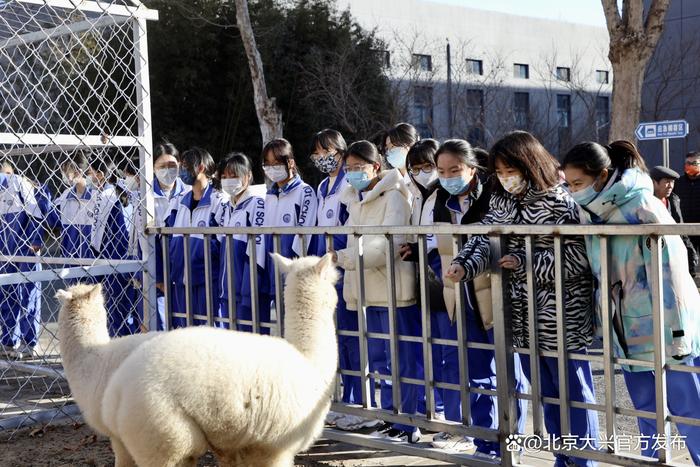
(564, 110)
(475, 67)
(563, 73)
(475, 116)
(384, 57)
(422, 62)
(602, 111)
(602, 76)
(423, 110)
(521, 109)
(521, 70)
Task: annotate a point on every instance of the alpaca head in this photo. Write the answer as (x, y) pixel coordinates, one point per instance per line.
(82, 308)
(309, 288)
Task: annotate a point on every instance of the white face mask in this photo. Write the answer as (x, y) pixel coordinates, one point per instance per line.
(426, 179)
(67, 180)
(515, 184)
(167, 176)
(276, 173)
(232, 186)
(131, 183)
(396, 157)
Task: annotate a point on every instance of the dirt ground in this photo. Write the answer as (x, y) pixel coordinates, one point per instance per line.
(74, 445)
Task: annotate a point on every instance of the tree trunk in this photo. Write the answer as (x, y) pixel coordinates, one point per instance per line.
(633, 38)
(628, 79)
(269, 115)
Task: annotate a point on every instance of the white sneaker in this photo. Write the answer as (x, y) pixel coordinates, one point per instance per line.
(7, 351)
(23, 353)
(353, 422)
(397, 436)
(450, 442)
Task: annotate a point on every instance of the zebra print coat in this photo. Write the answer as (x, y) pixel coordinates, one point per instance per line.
(554, 206)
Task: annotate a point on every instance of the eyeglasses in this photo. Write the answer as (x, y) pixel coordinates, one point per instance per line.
(356, 168)
(274, 165)
(427, 168)
(693, 163)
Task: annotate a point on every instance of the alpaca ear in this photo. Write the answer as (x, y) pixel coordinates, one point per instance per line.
(96, 291)
(324, 264)
(282, 263)
(63, 296)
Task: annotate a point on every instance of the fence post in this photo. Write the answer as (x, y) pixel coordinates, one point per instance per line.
(503, 339)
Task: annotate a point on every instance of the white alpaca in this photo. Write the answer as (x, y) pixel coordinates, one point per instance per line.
(253, 400)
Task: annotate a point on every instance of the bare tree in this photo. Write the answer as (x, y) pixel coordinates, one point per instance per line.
(633, 38)
(269, 115)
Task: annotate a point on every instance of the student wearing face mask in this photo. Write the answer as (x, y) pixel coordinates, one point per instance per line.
(245, 209)
(611, 185)
(109, 239)
(166, 187)
(327, 151)
(19, 236)
(381, 198)
(397, 142)
(290, 202)
(527, 191)
(421, 171)
(202, 206)
(461, 198)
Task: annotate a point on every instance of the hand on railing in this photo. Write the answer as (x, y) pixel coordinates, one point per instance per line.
(455, 272)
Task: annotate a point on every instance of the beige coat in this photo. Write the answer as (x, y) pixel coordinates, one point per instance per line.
(385, 204)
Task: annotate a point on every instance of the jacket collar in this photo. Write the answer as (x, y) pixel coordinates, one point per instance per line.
(206, 197)
(620, 189)
(177, 189)
(323, 188)
(476, 189)
(289, 186)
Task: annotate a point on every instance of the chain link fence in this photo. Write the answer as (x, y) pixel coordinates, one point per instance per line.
(75, 173)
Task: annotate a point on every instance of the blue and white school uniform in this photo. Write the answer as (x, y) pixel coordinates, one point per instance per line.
(20, 216)
(31, 321)
(161, 205)
(208, 212)
(332, 212)
(109, 239)
(249, 211)
(293, 205)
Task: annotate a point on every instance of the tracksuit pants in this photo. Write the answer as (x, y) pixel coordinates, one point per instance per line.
(583, 423)
(683, 398)
(410, 356)
(482, 374)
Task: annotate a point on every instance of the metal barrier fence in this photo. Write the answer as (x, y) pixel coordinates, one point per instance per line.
(75, 91)
(613, 452)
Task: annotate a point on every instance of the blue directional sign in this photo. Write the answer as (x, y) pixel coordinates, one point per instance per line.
(662, 130)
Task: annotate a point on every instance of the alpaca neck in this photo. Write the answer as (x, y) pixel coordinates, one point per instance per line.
(80, 338)
(315, 339)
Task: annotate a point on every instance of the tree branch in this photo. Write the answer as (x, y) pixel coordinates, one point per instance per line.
(612, 16)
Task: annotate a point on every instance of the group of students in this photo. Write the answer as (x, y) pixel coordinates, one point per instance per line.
(413, 181)
(408, 181)
(90, 217)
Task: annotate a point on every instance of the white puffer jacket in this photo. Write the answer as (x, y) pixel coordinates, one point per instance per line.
(385, 204)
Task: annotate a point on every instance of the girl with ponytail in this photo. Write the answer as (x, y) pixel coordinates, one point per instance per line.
(611, 185)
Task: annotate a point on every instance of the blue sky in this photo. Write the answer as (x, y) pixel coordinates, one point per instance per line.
(575, 11)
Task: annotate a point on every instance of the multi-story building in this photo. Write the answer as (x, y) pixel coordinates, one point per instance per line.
(672, 80)
(475, 74)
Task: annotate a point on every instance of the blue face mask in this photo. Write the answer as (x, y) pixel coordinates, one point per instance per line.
(585, 196)
(396, 157)
(186, 176)
(358, 180)
(454, 185)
